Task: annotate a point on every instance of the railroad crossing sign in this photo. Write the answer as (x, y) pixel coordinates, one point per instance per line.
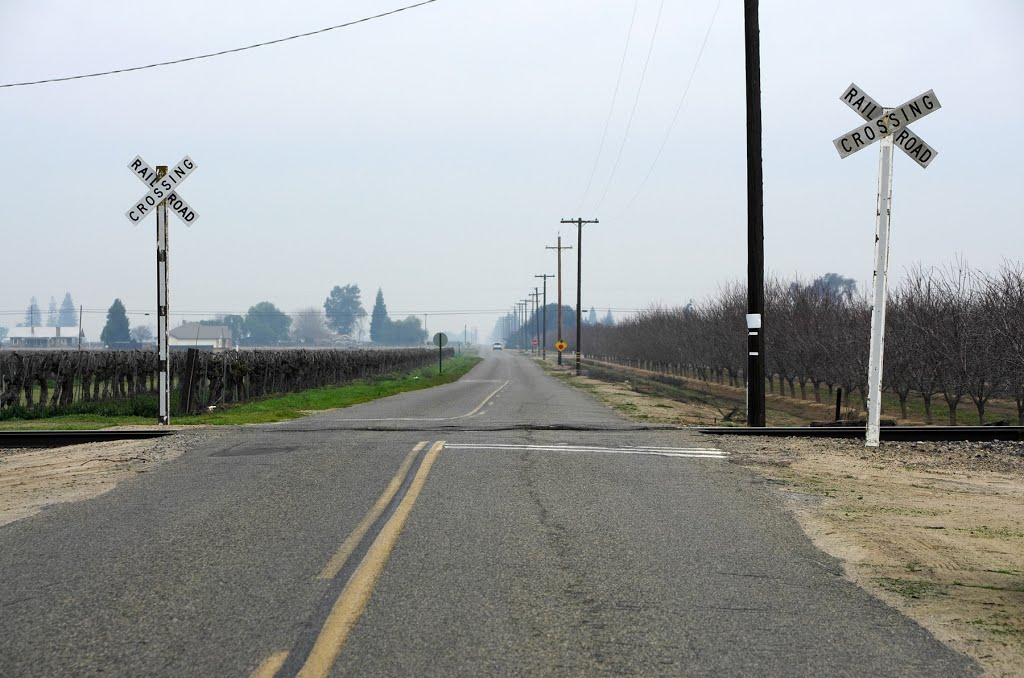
(162, 188)
(883, 122)
(561, 346)
(162, 194)
(891, 127)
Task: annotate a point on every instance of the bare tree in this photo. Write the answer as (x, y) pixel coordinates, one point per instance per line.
(142, 334)
(309, 327)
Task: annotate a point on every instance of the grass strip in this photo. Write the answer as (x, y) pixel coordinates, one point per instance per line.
(276, 408)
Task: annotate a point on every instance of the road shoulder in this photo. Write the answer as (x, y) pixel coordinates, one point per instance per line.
(33, 479)
(932, 529)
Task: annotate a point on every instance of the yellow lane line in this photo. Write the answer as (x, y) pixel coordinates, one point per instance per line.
(356, 594)
(270, 666)
(480, 406)
(337, 561)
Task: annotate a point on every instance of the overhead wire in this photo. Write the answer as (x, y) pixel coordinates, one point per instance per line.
(675, 117)
(611, 108)
(636, 99)
(220, 53)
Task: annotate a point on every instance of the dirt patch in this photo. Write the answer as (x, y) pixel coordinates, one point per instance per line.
(934, 529)
(32, 479)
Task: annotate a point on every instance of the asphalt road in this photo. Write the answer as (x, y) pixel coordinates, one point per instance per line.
(501, 525)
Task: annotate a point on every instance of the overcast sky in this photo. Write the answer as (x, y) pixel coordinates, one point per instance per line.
(433, 152)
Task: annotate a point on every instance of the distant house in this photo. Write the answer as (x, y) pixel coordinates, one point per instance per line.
(44, 337)
(194, 335)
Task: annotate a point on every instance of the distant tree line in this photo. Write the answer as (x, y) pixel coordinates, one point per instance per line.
(264, 324)
(64, 316)
(517, 332)
(384, 330)
(953, 334)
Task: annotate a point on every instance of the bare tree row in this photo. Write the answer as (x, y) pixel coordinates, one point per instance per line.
(953, 334)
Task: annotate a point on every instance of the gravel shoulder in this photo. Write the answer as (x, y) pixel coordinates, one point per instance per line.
(935, 530)
(32, 479)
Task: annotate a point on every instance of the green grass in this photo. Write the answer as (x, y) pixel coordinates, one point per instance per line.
(278, 408)
(909, 588)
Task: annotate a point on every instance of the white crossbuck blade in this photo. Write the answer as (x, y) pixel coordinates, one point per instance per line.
(162, 188)
(882, 121)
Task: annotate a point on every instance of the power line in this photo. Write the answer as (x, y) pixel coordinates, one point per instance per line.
(636, 99)
(679, 107)
(220, 53)
(611, 108)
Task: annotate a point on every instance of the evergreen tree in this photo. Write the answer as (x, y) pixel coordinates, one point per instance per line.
(266, 324)
(33, 316)
(68, 316)
(609, 319)
(379, 321)
(344, 309)
(51, 313)
(592, 316)
(117, 330)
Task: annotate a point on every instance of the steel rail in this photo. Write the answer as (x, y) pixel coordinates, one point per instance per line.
(917, 433)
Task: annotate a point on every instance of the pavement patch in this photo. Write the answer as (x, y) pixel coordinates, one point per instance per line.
(683, 452)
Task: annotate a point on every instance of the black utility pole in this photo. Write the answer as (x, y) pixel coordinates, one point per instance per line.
(559, 248)
(579, 279)
(544, 318)
(755, 222)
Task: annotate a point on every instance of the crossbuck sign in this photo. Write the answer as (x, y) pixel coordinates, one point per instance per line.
(883, 122)
(891, 127)
(163, 193)
(162, 188)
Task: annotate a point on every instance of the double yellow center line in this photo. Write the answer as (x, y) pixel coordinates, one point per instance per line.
(357, 591)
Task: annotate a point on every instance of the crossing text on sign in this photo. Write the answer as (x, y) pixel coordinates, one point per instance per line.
(882, 122)
(162, 188)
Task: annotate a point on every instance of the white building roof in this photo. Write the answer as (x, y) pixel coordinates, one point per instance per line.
(195, 331)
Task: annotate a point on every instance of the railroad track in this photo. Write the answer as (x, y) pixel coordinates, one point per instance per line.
(60, 438)
(975, 433)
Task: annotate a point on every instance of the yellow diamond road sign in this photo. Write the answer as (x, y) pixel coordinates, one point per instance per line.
(561, 346)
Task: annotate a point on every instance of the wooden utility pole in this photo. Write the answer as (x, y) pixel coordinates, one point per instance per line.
(536, 321)
(755, 222)
(524, 329)
(544, 318)
(559, 248)
(579, 280)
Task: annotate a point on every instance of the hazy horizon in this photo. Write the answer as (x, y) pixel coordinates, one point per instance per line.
(432, 153)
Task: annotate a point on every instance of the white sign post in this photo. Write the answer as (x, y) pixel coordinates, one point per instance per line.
(163, 192)
(891, 127)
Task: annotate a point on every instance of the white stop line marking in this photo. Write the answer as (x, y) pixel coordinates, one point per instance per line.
(688, 452)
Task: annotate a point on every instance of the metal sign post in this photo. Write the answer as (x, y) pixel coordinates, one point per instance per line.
(890, 126)
(163, 183)
(440, 340)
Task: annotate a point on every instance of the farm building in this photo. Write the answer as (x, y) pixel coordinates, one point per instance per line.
(194, 335)
(44, 337)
